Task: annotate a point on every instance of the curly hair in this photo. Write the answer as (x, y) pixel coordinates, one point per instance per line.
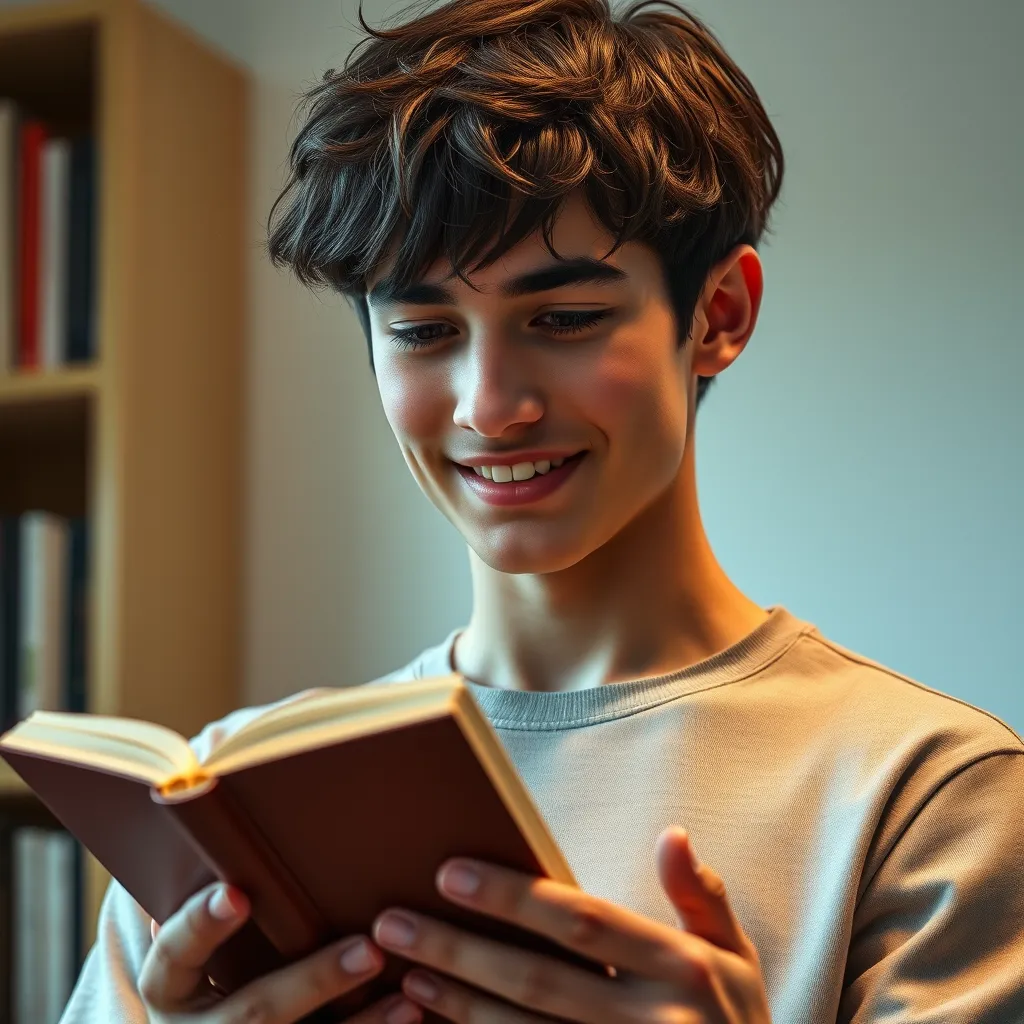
(480, 113)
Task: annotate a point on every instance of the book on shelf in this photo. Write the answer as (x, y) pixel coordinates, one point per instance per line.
(8, 236)
(46, 957)
(43, 622)
(324, 810)
(43, 614)
(47, 243)
(44, 566)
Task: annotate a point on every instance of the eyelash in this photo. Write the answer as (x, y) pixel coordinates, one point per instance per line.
(405, 337)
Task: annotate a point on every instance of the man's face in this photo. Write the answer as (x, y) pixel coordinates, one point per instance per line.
(497, 378)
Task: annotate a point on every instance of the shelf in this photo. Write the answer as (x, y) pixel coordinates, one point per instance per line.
(148, 441)
(47, 65)
(11, 783)
(47, 385)
(19, 806)
(45, 433)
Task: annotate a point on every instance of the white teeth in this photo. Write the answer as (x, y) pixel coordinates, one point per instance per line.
(519, 471)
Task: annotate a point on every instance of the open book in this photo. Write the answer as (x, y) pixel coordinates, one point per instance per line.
(323, 810)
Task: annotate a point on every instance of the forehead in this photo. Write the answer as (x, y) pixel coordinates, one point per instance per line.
(576, 232)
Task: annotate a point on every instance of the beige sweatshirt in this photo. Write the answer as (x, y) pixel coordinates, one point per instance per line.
(869, 830)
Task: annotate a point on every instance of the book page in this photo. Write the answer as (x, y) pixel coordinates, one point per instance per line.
(331, 717)
(123, 745)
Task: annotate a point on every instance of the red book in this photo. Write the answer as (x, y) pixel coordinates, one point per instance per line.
(33, 135)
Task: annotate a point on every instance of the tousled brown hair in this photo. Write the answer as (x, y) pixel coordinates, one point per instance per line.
(462, 131)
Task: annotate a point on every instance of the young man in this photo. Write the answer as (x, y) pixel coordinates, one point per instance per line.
(546, 217)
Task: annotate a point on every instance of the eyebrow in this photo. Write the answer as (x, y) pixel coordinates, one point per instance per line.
(581, 270)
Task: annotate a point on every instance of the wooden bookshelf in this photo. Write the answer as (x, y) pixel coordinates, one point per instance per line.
(147, 441)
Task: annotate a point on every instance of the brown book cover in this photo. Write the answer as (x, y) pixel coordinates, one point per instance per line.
(321, 838)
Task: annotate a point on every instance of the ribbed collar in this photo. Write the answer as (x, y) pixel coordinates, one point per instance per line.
(517, 709)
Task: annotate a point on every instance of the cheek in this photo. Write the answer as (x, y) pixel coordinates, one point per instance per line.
(413, 406)
(638, 400)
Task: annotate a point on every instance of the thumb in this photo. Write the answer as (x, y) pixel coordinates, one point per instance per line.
(697, 894)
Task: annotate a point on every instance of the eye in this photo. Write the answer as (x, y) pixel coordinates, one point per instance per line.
(421, 336)
(578, 319)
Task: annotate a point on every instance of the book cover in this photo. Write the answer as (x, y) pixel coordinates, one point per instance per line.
(42, 576)
(59, 964)
(81, 335)
(28, 911)
(53, 251)
(10, 617)
(44, 968)
(322, 838)
(32, 136)
(8, 234)
(75, 623)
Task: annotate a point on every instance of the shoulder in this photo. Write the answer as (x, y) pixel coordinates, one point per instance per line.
(897, 705)
(430, 662)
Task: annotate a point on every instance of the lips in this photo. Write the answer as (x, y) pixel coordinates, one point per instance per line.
(520, 492)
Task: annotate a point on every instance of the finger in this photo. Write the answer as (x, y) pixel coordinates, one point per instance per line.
(698, 894)
(527, 979)
(393, 1010)
(458, 1003)
(153, 928)
(174, 966)
(599, 930)
(293, 992)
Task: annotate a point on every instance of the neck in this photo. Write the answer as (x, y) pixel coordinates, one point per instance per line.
(652, 600)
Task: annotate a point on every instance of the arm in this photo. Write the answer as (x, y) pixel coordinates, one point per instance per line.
(939, 931)
(106, 989)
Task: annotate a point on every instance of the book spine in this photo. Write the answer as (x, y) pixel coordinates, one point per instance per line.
(237, 852)
(53, 251)
(10, 618)
(81, 258)
(76, 599)
(32, 137)
(8, 234)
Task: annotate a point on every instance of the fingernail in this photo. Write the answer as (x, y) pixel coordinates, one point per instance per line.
(421, 986)
(402, 1012)
(460, 879)
(222, 906)
(396, 930)
(357, 958)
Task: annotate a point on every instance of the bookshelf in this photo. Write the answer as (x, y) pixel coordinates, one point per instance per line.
(146, 439)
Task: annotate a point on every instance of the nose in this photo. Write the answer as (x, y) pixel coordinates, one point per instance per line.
(495, 392)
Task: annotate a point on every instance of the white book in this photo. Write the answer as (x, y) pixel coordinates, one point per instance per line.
(8, 235)
(55, 199)
(59, 888)
(44, 552)
(29, 927)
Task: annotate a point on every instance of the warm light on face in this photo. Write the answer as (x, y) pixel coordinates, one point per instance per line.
(541, 361)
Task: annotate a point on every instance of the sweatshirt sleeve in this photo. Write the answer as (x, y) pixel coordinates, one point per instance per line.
(106, 991)
(938, 934)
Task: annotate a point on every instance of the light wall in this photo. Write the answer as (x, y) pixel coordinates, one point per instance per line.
(860, 464)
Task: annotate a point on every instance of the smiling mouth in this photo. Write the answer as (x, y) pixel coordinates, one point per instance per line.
(520, 471)
(521, 483)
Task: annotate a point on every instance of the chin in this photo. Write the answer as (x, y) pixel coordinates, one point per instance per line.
(503, 551)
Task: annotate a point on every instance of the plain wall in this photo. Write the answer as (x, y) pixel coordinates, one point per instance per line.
(860, 464)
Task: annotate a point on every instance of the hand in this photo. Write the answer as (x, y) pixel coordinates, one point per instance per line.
(707, 974)
(175, 990)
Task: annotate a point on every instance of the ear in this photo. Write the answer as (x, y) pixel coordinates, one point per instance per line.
(727, 311)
